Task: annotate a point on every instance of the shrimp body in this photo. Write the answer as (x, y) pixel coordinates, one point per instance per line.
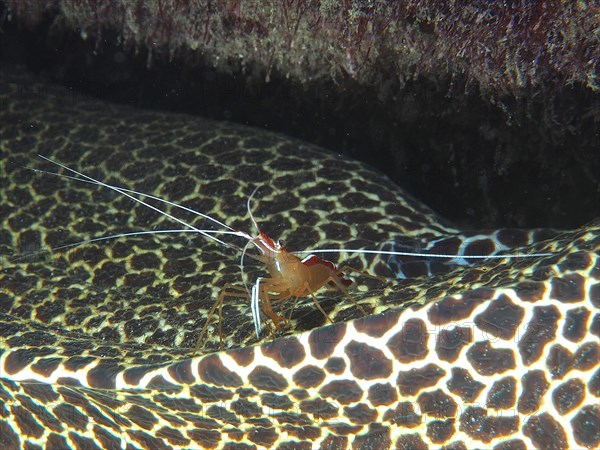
(300, 277)
(290, 277)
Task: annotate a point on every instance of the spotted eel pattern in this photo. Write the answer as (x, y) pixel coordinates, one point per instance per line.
(95, 349)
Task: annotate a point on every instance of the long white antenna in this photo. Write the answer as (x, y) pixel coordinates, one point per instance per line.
(250, 210)
(131, 191)
(427, 255)
(123, 192)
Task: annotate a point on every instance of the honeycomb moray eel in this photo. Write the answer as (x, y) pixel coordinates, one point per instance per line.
(96, 338)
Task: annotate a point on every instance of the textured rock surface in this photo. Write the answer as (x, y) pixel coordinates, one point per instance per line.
(504, 48)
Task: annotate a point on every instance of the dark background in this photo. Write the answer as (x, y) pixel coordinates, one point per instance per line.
(527, 162)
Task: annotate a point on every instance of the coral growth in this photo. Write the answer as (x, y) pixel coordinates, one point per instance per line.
(505, 47)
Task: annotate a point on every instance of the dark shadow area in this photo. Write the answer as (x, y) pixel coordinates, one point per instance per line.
(531, 162)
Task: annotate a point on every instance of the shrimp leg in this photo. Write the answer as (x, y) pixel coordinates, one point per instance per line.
(229, 290)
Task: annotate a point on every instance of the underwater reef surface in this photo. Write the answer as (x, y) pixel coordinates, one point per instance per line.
(504, 47)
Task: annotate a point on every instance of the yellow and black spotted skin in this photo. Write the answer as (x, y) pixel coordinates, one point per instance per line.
(97, 338)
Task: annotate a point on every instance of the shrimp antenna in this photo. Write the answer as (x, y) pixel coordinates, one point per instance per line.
(242, 265)
(423, 255)
(250, 210)
(122, 192)
(131, 191)
(121, 235)
(255, 311)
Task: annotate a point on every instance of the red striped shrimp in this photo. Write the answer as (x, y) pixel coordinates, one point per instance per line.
(290, 277)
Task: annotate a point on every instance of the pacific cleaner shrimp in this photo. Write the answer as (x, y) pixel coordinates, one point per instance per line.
(289, 276)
